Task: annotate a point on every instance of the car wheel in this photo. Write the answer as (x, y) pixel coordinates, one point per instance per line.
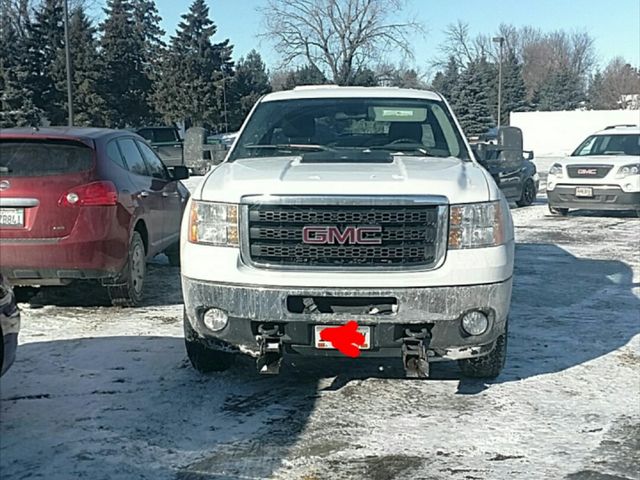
(487, 366)
(128, 291)
(528, 194)
(203, 358)
(559, 211)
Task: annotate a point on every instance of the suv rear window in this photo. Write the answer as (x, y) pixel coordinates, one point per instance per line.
(33, 158)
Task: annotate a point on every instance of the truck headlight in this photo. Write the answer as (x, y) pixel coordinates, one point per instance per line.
(476, 225)
(556, 170)
(628, 170)
(213, 223)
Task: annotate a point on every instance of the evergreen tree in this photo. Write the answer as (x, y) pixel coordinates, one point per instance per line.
(447, 82)
(45, 61)
(248, 84)
(472, 108)
(17, 108)
(563, 90)
(306, 75)
(364, 77)
(124, 83)
(514, 92)
(89, 106)
(193, 72)
(146, 21)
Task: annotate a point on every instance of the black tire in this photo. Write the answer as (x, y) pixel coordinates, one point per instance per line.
(129, 288)
(173, 254)
(487, 366)
(203, 358)
(559, 211)
(528, 194)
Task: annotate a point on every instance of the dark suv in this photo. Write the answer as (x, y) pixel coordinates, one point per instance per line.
(86, 203)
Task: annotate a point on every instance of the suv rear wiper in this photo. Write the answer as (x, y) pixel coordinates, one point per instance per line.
(291, 146)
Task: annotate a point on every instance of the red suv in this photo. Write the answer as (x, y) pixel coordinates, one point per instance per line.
(86, 203)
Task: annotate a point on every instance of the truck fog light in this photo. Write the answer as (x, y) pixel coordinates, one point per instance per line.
(475, 323)
(215, 319)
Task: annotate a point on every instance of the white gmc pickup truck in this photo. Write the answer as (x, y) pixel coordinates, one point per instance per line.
(339, 204)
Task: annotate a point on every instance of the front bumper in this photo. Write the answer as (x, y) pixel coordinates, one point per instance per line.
(439, 309)
(606, 197)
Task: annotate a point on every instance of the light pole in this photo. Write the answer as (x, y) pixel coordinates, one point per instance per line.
(499, 40)
(68, 62)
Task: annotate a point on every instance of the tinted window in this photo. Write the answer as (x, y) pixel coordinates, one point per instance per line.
(146, 133)
(402, 126)
(114, 154)
(33, 158)
(155, 166)
(164, 135)
(132, 156)
(609, 145)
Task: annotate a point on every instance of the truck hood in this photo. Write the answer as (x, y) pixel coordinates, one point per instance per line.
(459, 181)
(601, 160)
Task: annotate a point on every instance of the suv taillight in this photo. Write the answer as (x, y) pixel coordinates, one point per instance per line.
(90, 195)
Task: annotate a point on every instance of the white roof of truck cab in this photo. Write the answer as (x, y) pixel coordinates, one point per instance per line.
(620, 130)
(334, 91)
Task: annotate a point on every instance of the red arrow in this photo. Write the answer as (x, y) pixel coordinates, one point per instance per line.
(344, 338)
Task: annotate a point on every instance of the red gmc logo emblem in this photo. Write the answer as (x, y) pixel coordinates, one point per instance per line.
(318, 235)
(587, 171)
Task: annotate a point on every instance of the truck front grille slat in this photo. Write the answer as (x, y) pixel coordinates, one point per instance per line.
(408, 236)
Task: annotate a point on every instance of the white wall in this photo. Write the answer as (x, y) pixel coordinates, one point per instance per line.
(559, 133)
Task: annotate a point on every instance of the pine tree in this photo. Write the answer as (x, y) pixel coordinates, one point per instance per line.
(89, 106)
(472, 108)
(193, 72)
(45, 61)
(17, 108)
(447, 82)
(248, 84)
(563, 90)
(364, 77)
(514, 92)
(150, 36)
(306, 75)
(124, 83)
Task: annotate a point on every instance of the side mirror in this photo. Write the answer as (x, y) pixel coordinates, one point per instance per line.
(180, 173)
(528, 154)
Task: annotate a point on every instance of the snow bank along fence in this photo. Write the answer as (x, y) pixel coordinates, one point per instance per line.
(559, 133)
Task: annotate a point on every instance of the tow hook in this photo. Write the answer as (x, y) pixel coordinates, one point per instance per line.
(269, 341)
(414, 353)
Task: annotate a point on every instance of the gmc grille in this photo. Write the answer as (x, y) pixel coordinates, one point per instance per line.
(409, 236)
(588, 171)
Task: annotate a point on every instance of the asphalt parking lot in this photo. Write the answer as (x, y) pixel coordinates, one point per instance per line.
(107, 393)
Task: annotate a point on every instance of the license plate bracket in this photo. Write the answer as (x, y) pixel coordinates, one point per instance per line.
(11, 217)
(322, 345)
(584, 191)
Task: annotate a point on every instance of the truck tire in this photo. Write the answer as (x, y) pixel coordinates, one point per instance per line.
(487, 366)
(558, 211)
(128, 291)
(528, 194)
(203, 358)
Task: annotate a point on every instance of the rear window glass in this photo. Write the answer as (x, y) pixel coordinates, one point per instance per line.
(37, 158)
(164, 135)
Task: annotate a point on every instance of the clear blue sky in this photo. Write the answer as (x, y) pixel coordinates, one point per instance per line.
(615, 24)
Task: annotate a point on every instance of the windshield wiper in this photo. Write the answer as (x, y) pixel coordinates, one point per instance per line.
(291, 146)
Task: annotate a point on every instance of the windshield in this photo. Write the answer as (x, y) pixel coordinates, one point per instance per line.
(350, 126)
(34, 158)
(609, 145)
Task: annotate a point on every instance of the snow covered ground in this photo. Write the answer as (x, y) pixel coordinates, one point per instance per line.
(107, 393)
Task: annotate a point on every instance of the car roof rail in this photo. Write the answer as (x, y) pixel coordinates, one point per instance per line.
(622, 125)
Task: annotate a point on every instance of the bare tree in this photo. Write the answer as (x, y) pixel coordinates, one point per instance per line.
(339, 37)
